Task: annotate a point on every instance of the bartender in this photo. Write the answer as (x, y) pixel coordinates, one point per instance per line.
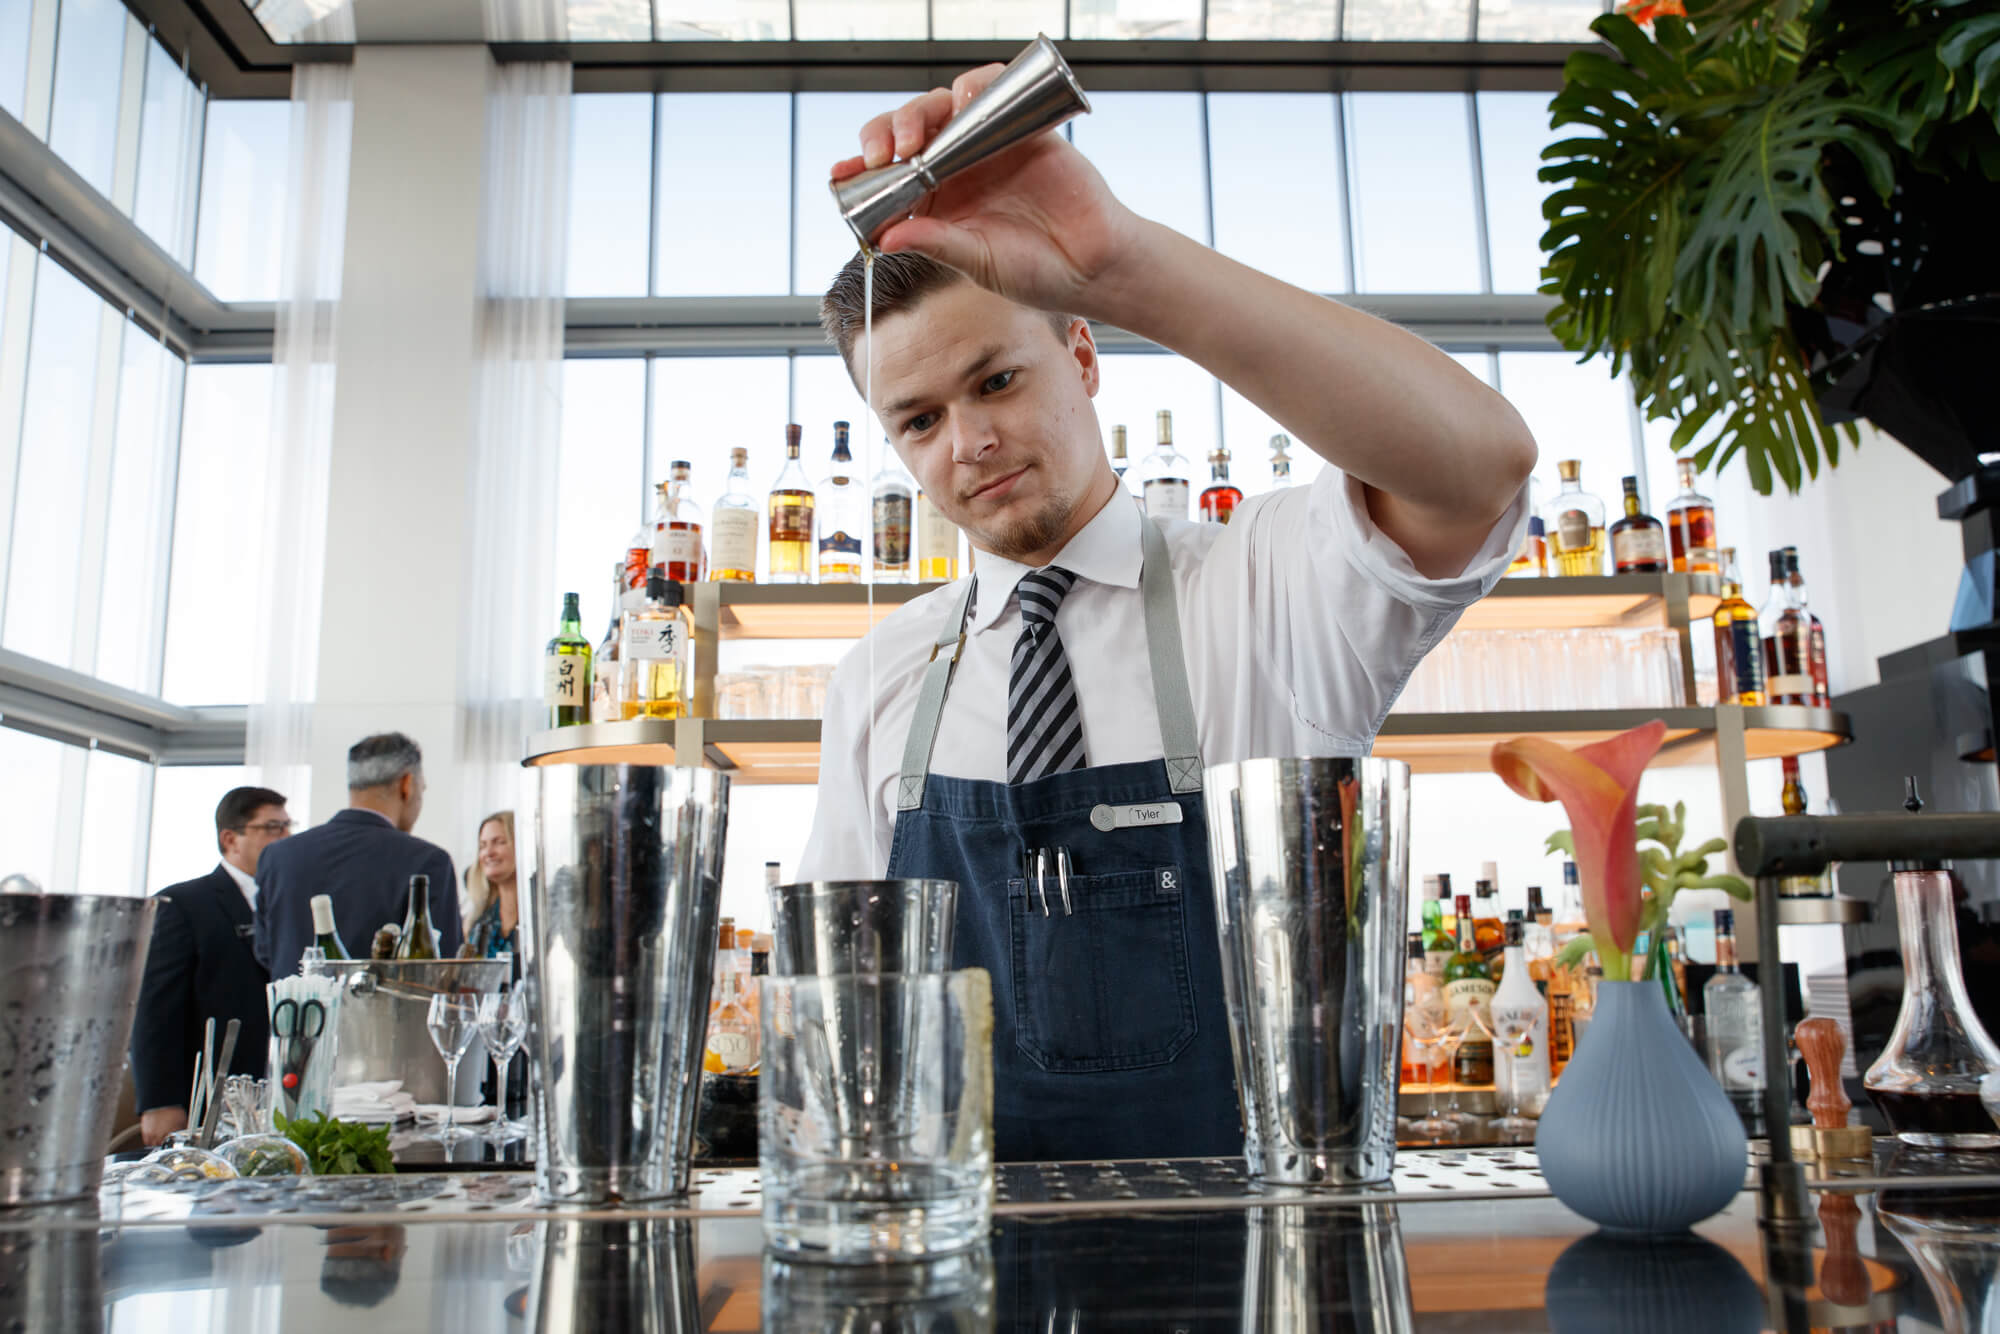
(1037, 732)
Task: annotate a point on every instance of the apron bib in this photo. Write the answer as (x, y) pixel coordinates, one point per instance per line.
(1086, 895)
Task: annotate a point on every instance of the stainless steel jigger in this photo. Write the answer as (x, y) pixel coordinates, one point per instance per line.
(1035, 92)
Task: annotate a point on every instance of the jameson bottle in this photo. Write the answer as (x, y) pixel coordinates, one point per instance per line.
(1468, 986)
(566, 670)
(324, 935)
(419, 939)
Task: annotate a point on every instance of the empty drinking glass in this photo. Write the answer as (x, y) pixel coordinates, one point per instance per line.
(1510, 1028)
(503, 1022)
(453, 1021)
(1424, 1019)
(875, 1115)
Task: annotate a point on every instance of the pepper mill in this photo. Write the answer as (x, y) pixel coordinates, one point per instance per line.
(1829, 1137)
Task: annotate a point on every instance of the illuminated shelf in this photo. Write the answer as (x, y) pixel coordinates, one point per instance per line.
(1624, 601)
(787, 751)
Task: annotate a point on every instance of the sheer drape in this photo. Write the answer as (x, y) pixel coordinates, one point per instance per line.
(510, 610)
(293, 555)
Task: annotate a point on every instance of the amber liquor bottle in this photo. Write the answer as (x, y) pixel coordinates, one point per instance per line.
(1638, 541)
(1739, 650)
(1468, 986)
(1795, 650)
(1220, 500)
(1691, 527)
(791, 521)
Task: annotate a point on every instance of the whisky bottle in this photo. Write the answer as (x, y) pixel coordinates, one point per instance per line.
(1739, 651)
(1468, 986)
(842, 516)
(1486, 929)
(1793, 798)
(653, 652)
(894, 500)
(1795, 643)
(1574, 522)
(1419, 985)
(733, 554)
(1163, 475)
(566, 670)
(1638, 541)
(604, 664)
(1119, 463)
(678, 551)
(1532, 560)
(419, 939)
(1281, 462)
(638, 561)
(324, 935)
(1220, 500)
(791, 510)
(1691, 527)
(937, 543)
(1437, 942)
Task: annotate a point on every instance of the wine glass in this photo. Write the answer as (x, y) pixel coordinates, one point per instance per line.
(1459, 1025)
(1511, 1028)
(1425, 1020)
(453, 1021)
(503, 1022)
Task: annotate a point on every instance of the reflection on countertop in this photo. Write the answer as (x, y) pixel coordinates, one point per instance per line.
(467, 1251)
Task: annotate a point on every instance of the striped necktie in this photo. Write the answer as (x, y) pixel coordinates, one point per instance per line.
(1044, 728)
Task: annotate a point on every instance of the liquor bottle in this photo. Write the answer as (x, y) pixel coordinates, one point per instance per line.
(1735, 1037)
(419, 939)
(1521, 1026)
(1447, 918)
(1691, 527)
(1438, 944)
(791, 518)
(1486, 930)
(566, 670)
(937, 543)
(732, 1030)
(894, 499)
(324, 935)
(1281, 462)
(1574, 522)
(1567, 920)
(1419, 984)
(1532, 560)
(1794, 796)
(604, 663)
(1119, 461)
(653, 651)
(678, 551)
(1739, 654)
(733, 547)
(1220, 500)
(1163, 476)
(841, 517)
(1638, 541)
(1795, 641)
(1538, 940)
(1468, 985)
(638, 558)
(1583, 1001)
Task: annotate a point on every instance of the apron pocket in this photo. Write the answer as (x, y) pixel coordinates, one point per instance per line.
(1105, 987)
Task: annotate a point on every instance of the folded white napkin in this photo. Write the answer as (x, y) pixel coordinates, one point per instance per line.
(378, 1103)
(465, 1116)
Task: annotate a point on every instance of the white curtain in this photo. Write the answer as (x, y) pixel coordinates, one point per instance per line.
(509, 611)
(292, 562)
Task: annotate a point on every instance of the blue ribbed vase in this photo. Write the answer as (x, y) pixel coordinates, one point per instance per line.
(1638, 1137)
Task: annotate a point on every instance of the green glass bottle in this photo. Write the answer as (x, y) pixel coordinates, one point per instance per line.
(324, 934)
(566, 670)
(419, 939)
(1438, 944)
(1468, 984)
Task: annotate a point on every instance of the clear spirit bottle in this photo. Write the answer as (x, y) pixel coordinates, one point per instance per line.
(566, 670)
(894, 502)
(1119, 462)
(1281, 462)
(1220, 499)
(791, 521)
(1163, 475)
(1735, 1036)
(678, 551)
(842, 516)
(1691, 527)
(604, 707)
(937, 543)
(653, 652)
(1638, 541)
(733, 546)
(1574, 522)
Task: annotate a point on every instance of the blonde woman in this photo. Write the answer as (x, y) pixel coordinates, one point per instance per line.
(492, 908)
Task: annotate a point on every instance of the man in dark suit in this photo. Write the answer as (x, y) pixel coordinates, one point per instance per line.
(362, 859)
(201, 965)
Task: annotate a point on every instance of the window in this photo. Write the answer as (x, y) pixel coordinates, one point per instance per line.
(599, 502)
(131, 621)
(169, 144)
(1133, 389)
(116, 807)
(1254, 20)
(1513, 130)
(1537, 20)
(703, 407)
(992, 19)
(1576, 412)
(1406, 20)
(16, 17)
(861, 20)
(829, 127)
(1276, 168)
(609, 196)
(722, 20)
(725, 206)
(1149, 148)
(1414, 227)
(1111, 19)
(183, 835)
(90, 62)
(243, 187)
(30, 780)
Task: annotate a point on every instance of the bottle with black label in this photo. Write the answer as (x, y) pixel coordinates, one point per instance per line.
(1468, 998)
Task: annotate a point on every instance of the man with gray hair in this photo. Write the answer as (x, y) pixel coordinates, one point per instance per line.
(362, 859)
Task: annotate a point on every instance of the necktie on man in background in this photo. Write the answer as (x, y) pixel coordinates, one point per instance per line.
(1044, 727)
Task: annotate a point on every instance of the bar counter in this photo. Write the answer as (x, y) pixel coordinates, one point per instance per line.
(1462, 1240)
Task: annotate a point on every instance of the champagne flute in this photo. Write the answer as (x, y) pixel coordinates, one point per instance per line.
(453, 1020)
(503, 1022)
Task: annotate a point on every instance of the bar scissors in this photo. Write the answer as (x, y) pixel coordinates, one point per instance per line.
(298, 1027)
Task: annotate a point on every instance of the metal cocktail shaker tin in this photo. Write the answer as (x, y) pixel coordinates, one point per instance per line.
(1035, 92)
(1311, 874)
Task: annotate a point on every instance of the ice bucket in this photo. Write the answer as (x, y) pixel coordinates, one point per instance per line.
(385, 1011)
(1311, 873)
(618, 938)
(67, 994)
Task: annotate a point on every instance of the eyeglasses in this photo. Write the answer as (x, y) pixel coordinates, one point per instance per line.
(272, 827)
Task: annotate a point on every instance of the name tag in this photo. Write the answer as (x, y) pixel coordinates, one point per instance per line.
(1108, 818)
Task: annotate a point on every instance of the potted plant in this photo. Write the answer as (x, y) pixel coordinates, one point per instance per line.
(1637, 1136)
(1777, 215)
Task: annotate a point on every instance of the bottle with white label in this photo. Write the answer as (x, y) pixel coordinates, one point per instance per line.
(937, 543)
(733, 544)
(1163, 475)
(1521, 1073)
(653, 654)
(677, 528)
(566, 670)
(1732, 1006)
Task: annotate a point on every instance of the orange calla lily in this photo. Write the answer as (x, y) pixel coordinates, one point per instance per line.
(1598, 785)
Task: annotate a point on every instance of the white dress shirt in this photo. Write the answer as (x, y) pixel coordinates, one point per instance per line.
(1300, 621)
(247, 884)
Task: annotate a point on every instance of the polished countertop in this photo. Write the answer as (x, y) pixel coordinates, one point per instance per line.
(1462, 1240)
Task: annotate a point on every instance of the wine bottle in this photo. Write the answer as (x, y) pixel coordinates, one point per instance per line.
(419, 939)
(324, 935)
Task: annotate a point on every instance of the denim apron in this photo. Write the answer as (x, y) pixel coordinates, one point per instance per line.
(1086, 896)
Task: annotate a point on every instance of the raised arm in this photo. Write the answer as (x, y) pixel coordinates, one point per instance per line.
(1442, 455)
